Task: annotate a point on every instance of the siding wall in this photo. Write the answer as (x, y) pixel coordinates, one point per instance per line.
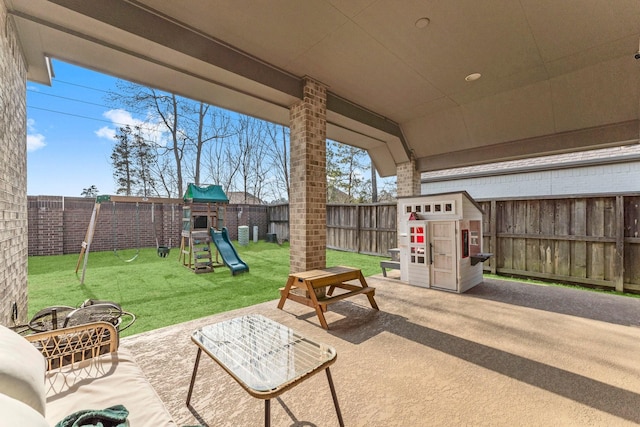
(623, 177)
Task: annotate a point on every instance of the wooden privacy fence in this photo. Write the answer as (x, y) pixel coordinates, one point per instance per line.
(368, 229)
(590, 240)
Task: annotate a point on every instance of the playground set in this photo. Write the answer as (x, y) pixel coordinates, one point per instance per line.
(202, 223)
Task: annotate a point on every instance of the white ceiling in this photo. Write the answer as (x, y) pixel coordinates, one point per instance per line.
(557, 75)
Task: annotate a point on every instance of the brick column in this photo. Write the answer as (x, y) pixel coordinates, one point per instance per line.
(13, 175)
(408, 185)
(408, 179)
(308, 198)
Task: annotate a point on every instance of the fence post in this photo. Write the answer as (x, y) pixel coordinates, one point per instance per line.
(358, 231)
(618, 280)
(493, 248)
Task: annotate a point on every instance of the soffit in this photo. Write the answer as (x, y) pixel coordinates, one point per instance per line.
(548, 67)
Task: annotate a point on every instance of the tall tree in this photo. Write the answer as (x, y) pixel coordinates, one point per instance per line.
(279, 159)
(122, 158)
(204, 124)
(222, 163)
(143, 158)
(346, 168)
(251, 153)
(157, 107)
(374, 183)
(132, 160)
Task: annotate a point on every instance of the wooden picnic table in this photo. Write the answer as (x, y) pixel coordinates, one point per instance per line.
(308, 288)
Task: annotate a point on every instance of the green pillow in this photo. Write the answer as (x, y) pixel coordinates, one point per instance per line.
(114, 416)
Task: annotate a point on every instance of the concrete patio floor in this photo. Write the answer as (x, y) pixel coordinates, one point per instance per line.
(502, 354)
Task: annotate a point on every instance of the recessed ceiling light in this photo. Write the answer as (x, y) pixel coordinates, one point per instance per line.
(422, 23)
(473, 77)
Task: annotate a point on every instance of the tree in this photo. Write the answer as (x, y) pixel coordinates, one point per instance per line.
(204, 125)
(279, 159)
(161, 108)
(144, 158)
(252, 170)
(192, 130)
(374, 184)
(345, 174)
(89, 191)
(122, 161)
(132, 160)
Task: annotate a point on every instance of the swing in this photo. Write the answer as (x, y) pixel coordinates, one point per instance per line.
(163, 251)
(115, 233)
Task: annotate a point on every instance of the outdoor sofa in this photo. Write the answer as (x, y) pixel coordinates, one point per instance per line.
(49, 376)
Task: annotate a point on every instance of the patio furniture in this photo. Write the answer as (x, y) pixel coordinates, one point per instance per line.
(56, 317)
(309, 287)
(264, 357)
(47, 376)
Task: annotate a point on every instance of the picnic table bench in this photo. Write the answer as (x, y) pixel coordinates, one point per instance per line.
(309, 288)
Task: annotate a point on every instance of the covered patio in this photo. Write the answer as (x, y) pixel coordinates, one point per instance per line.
(504, 353)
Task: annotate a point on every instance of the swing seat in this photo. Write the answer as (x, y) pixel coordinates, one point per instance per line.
(163, 251)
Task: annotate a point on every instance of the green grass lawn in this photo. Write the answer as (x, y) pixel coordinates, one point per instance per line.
(160, 291)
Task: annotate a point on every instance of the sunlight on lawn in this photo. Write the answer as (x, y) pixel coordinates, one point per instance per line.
(162, 292)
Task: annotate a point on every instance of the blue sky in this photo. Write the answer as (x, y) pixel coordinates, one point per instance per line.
(70, 130)
(69, 135)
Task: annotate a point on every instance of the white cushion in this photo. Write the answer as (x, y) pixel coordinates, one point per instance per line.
(111, 379)
(18, 414)
(22, 370)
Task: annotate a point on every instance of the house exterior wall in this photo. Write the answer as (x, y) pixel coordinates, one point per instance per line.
(13, 175)
(595, 179)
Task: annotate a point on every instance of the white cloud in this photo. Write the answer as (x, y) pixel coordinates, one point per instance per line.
(106, 132)
(119, 118)
(35, 141)
(122, 118)
(151, 129)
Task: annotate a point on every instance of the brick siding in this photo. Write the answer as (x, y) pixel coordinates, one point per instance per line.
(13, 175)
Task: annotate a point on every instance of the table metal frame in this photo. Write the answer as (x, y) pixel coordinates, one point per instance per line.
(265, 357)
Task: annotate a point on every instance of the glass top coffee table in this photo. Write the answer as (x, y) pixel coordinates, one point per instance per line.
(263, 356)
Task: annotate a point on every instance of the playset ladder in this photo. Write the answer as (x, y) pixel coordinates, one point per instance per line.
(195, 251)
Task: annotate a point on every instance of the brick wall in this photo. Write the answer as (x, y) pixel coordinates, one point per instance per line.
(45, 225)
(13, 175)
(251, 215)
(58, 225)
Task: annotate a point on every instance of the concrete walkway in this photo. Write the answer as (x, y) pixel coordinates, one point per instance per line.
(503, 354)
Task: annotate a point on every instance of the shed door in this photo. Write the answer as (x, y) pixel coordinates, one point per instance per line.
(443, 254)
